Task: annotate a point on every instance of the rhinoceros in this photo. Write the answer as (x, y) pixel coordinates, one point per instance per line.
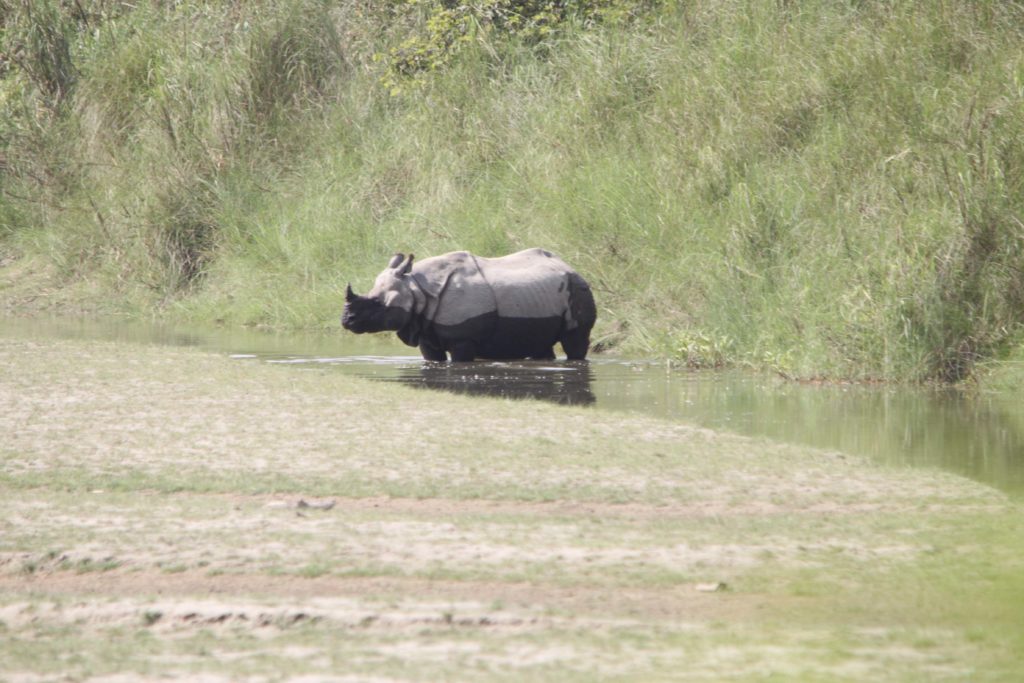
(512, 307)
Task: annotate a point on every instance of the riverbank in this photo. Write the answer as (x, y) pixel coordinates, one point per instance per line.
(171, 512)
(829, 191)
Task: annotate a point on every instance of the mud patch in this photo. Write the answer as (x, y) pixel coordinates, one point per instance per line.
(190, 613)
(375, 602)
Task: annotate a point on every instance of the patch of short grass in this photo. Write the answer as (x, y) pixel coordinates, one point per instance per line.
(136, 462)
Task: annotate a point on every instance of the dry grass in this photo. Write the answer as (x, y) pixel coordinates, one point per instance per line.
(151, 527)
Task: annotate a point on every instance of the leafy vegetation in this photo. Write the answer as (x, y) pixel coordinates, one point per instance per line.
(825, 188)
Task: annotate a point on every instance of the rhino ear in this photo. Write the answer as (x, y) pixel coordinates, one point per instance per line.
(406, 266)
(349, 296)
(395, 260)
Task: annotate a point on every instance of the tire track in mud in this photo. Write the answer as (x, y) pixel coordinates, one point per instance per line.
(199, 599)
(572, 509)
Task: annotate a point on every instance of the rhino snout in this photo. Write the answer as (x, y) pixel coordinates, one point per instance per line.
(369, 315)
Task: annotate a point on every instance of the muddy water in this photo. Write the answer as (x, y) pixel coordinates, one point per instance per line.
(980, 437)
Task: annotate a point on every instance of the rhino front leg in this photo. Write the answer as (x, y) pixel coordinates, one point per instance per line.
(576, 342)
(432, 353)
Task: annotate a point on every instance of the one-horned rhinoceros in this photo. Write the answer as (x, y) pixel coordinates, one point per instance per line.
(515, 306)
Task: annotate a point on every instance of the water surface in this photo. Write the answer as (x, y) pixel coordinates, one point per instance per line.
(978, 436)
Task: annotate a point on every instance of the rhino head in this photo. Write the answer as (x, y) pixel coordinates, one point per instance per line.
(388, 306)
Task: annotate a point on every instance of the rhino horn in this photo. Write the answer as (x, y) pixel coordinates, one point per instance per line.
(349, 296)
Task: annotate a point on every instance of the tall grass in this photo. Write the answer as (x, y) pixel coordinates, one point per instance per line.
(824, 188)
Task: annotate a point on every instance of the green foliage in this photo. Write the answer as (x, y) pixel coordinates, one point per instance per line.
(37, 38)
(978, 289)
(699, 350)
(447, 27)
(177, 96)
(823, 188)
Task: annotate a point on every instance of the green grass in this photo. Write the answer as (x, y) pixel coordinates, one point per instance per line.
(830, 189)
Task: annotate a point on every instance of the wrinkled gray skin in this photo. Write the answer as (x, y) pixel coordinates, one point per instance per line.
(466, 306)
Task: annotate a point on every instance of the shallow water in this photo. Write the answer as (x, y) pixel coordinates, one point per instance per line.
(980, 437)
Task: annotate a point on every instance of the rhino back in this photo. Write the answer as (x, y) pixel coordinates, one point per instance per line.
(528, 284)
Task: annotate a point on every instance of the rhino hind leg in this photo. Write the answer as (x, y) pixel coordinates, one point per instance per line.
(576, 342)
(463, 352)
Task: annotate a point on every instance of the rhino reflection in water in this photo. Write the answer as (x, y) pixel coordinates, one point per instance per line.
(564, 383)
(512, 307)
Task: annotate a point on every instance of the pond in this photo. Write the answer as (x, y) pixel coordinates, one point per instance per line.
(981, 437)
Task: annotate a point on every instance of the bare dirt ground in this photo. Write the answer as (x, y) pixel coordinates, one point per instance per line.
(168, 514)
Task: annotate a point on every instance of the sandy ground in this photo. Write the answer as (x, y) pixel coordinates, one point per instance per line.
(169, 514)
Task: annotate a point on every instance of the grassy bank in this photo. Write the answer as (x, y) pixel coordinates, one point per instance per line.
(151, 527)
(828, 189)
